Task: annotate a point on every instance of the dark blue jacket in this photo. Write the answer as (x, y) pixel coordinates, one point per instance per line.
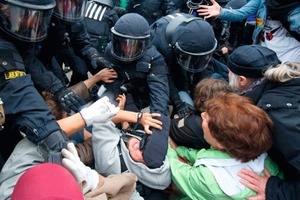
(179, 79)
(24, 107)
(282, 103)
(147, 77)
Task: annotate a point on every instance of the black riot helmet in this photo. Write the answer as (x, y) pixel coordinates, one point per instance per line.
(130, 37)
(194, 42)
(195, 4)
(26, 20)
(70, 10)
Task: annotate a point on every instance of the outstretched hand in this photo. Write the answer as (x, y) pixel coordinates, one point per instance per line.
(255, 182)
(209, 11)
(148, 121)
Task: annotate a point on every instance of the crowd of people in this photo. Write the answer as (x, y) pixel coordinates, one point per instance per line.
(178, 99)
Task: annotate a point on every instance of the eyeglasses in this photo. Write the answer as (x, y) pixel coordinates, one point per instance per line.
(138, 134)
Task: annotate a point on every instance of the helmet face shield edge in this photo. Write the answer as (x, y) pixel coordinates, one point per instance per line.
(193, 62)
(128, 48)
(28, 24)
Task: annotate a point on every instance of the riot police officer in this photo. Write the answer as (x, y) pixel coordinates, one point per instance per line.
(142, 72)
(68, 39)
(100, 17)
(23, 23)
(24, 108)
(187, 44)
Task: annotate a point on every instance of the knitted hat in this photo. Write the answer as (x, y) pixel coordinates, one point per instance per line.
(156, 146)
(47, 181)
(251, 60)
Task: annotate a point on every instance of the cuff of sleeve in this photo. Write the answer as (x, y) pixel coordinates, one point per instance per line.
(87, 117)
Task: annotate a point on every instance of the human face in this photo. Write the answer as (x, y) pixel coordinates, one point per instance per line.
(133, 146)
(130, 48)
(206, 131)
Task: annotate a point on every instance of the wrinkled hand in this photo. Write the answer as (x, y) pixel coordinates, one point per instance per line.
(107, 75)
(99, 63)
(255, 182)
(84, 175)
(69, 100)
(209, 11)
(100, 111)
(148, 121)
(183, 109)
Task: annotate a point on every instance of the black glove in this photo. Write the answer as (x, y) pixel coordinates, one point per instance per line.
(69, 100)
(99, 63)
(183, 109)
(53, 144)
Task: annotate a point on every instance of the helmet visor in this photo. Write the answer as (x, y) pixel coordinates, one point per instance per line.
(128, 49)
(70, 10)
(25, 24)
(193, 62)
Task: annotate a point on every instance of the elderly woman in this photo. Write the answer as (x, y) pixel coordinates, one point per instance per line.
(239, 134)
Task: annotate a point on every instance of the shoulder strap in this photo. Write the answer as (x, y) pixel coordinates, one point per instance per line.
(174, 21)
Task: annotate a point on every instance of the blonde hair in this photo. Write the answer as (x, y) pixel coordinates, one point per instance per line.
(283, 72)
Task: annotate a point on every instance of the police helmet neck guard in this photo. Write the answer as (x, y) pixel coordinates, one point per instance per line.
(70, 11)
(130, 38)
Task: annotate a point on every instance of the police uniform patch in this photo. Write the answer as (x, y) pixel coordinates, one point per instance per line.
(14, 74)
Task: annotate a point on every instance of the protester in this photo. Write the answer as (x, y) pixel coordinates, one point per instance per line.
(277, 92)
(277, 24)
(27, 154)
(239, 134)
(47, 181)
(187, 131)
(117, 151)
(41, 182)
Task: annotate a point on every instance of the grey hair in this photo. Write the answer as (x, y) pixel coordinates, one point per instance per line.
(283, 72)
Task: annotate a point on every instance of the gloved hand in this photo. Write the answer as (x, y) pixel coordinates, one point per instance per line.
(99, 63)
(85, 176)
(183, 109)
(100, 111)
(69, 100)
(54, 143)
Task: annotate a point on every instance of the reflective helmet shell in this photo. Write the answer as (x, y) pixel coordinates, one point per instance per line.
(194, 42)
